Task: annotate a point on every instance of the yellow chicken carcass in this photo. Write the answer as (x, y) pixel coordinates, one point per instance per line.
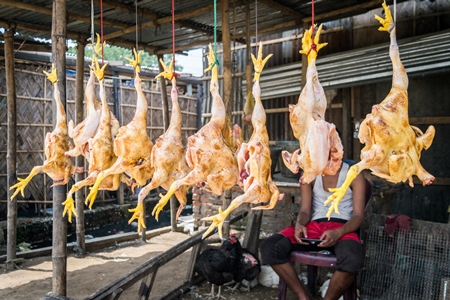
(207, 154)
(254, 160)
(101, 150)
(57, 165)
(90, 125)
(392, 146)
(132, 145)
(321, 149)
(168, 156)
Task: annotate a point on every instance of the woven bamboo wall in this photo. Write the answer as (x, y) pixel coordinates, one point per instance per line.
(34, 119)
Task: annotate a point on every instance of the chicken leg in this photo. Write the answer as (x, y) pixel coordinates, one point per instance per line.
(168, 156)
(57, 165)
(392, 146)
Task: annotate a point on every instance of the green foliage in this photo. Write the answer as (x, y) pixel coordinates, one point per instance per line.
(118, 54)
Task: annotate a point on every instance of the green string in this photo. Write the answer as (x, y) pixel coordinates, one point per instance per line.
(215, 34)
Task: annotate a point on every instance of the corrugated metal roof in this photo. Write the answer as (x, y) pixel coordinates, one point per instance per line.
(194, 24)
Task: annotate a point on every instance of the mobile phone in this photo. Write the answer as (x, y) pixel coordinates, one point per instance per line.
(311, 241)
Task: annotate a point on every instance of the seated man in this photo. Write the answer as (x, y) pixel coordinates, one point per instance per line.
(338, 234)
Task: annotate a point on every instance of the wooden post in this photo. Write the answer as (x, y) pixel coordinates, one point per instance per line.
(79, 199)
(11, 148)
(248, 63)
(118, 114)
(166, 121)
(59, 251)
(227, 88)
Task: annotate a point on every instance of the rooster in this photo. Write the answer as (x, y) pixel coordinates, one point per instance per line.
(217, 265)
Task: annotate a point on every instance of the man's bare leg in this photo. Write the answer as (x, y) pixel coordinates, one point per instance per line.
(339, 283)
(287, 273)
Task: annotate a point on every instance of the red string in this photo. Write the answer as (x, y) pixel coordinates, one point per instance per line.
(173, 39)
(312, 20)
(101, 29)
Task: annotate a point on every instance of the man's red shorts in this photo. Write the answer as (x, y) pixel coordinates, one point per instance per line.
(316, 229)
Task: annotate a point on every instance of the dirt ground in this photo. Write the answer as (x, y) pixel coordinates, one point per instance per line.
(86, 275)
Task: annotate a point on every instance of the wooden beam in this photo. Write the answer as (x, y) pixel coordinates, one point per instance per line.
(283, 9)
(233, 37)
(429, 120)
(11, 156)
(71, 16)
(160, 20)
(335, 13)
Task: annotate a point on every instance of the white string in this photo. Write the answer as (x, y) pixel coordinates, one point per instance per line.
(395, 11)
(137, 34)
(92, 23)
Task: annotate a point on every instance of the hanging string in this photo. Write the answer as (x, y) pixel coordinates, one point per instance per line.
(136, 22)
(256, 25)
(395, 11)
(92, 23)
(215, 34)
(173, 39)
(101, 30)
(312, 20)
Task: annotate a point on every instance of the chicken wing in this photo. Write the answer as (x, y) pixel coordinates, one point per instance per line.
(207, 154)
(168, 156)
(132, 146)
(392, 146)
(321, 149)
(57, 165)
(254, 160)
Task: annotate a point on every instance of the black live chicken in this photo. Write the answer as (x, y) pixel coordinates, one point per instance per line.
(228, 263)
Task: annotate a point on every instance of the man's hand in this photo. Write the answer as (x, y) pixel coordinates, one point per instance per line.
(330, 238)
(300, 232)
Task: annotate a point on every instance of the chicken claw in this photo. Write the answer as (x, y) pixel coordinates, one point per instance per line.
(20, 186)
(259, 62)
(213, 62)
(309, 44)
(99, 72)
(138, 215)
(168, 71)
(69, 208)
(338, 193)
(162, 202)
(136, 62)
(217, 222)
(52, 76)
(90, 199)
(97, 47)
(387, 21)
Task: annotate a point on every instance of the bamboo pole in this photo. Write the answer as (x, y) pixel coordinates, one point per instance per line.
(59, 252)
(166, 118)
(79, 199)
(11, 151)
(227, 88)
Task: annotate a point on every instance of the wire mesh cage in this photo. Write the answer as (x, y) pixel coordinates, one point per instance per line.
(410, 265)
